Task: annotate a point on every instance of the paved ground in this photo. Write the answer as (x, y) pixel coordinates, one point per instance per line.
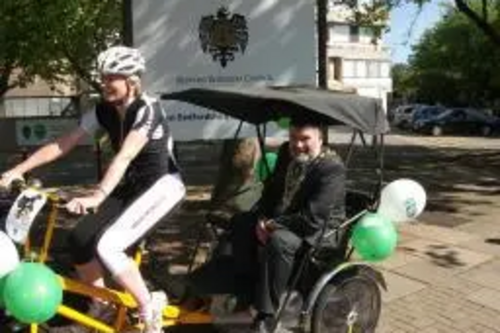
(445, 274)
(444, 280)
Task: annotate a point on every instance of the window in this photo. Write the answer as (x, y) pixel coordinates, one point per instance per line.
(335, 3)
(354, 34)
(366, 35)
(338, 33)
(385, 69)
(361, 68)
(373, 69)
(348, 68)
(367, 32)
(460, 116)
(36, 106)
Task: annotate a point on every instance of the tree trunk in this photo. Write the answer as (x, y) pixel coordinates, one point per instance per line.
(127, 29)
(481, 22)
(322, 36)
(5, 84)
(322, 33)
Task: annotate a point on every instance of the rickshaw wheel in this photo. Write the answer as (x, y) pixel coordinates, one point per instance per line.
(355, 301)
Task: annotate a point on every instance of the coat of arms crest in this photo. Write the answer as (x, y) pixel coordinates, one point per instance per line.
(222, 35)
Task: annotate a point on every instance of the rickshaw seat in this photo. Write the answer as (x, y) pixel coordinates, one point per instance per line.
(331, 250)
(355, 203)
(335, 243)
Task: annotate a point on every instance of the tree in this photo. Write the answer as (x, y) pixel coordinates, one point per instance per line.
(481, 16)
(54, 39)
(402, 80)
(484, 14)
(455, 63)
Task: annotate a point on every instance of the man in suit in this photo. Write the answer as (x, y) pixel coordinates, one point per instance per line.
(304, 197)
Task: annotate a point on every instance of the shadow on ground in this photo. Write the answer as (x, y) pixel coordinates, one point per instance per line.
(454, 178)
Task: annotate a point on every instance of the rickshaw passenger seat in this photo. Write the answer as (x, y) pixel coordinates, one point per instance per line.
(355, 202)
(333, 248)
(218, 219)
(335, 243)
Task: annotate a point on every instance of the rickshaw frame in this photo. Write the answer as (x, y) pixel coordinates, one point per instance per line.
(260, 105)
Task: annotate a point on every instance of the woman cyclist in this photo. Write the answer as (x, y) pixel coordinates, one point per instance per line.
(141, 185)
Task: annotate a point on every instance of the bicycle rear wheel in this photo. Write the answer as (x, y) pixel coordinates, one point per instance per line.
(352, 305)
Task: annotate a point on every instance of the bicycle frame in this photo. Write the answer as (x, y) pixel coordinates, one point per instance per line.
(124, 302)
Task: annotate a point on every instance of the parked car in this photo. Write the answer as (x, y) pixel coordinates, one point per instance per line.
(403, 115)
(424, 113)
(459, 121)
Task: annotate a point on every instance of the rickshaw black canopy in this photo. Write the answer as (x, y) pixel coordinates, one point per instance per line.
(258, 105)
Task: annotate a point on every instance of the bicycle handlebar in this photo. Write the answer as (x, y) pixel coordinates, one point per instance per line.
(59, 197)
(17, 186)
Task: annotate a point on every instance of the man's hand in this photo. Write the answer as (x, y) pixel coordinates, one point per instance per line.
(8, 177)
(263, 230)
(82, 206)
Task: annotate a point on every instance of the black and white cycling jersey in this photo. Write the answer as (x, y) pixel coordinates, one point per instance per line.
(145, 115)
(150, 190)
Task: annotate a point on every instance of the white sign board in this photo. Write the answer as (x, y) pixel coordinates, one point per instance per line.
(38, 131)
(204, 43)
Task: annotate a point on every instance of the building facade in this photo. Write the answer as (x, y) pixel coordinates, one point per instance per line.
(38, 99)
(356, 57)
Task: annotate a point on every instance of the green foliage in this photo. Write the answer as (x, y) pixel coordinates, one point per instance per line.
(454, 63)
(403, 81)
(60, 39)
(54, 39)
(371, 14)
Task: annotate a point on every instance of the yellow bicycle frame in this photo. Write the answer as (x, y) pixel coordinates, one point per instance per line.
(172, 315)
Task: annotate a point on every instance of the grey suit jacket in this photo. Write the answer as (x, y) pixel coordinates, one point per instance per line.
(319, 202)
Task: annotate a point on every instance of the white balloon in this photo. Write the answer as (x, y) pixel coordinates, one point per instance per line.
(402, 200)
(10, 256)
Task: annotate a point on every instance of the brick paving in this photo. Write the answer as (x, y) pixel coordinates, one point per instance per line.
(447, 266)
(440, 308)
(445, 274)
(466, 300)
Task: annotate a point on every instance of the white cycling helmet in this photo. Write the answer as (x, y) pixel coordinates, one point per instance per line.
(121, 60)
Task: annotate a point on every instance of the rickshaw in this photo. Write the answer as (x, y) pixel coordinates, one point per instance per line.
(328, 292)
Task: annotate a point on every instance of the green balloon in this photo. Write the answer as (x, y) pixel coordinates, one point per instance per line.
(262, 172)
(374, 237)
(2, 288)
(283, 123)
(32, 293)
